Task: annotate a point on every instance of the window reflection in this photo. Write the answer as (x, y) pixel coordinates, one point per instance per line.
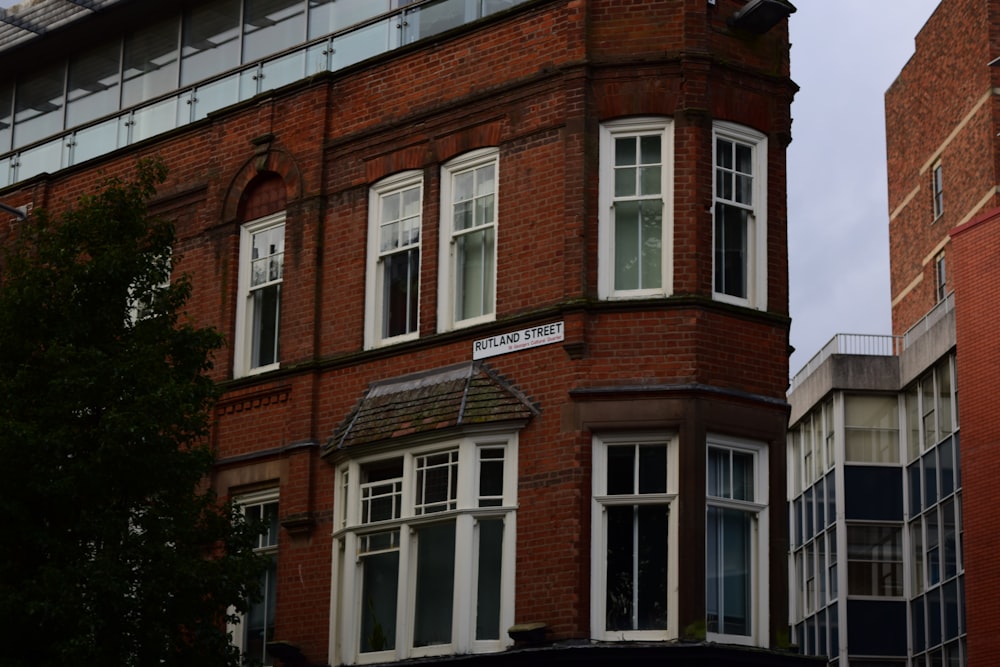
(38, 108)
(211, 40)
(93, 84)
(6, 119)
(270, 26)
(150, 66)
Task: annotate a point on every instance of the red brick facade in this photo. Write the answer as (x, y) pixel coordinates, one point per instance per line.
(939, 110)
(536, 83)
(943, 109)
(977, 248)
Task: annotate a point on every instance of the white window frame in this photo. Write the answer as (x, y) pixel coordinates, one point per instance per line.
(243, 340)
(756, 251)
(648, 126)
(448, 254)
(345, 620)
(760, 536)
(258, 498)
(937, 191)
(600, 501)
(375, 278)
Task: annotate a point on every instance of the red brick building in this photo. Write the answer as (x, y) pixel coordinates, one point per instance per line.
(505, 289)
(942, 120)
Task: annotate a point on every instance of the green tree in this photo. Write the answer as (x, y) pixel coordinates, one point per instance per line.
(113, 551)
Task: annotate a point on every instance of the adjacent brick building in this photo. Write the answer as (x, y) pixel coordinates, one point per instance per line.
(505, 289)
(925, 484)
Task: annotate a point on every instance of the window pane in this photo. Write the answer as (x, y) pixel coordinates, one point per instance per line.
(917, 555)
(651, 611)
(6, 119)
(437, 17)
(270, 26)
(636, 585)
(380, 581)
(650, 149)
(731, 233)
(399, 236)
(943, 374)
(729, 571)
(401, 287)
(266, 268)
(435, 584)
(211, 40)
(491, 476)
(949, 544)
(621, 470)
(929, 462)
(437, 482)
(875, 560)
(150, 65)
(38, 105)
(475, 255)
(326, 16)
(652, 468)
(718, 473)
(627, 242)
(259, 628)
(488, 583)
(266, 311)
(381, 490)
(93, 84)
(625, 151)
(638, 229)
(946, 464)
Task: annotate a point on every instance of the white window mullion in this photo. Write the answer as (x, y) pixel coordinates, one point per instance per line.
(448, 469)
(464, 599)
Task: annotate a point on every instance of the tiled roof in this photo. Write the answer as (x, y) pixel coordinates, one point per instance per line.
(467, 393)
(33, 18)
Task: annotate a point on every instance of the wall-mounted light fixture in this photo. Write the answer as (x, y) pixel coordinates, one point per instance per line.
(759, 16)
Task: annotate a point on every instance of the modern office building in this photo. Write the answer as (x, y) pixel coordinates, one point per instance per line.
(504, 284)
(923, 557)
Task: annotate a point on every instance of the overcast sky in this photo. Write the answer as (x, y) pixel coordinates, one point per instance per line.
(845, 54)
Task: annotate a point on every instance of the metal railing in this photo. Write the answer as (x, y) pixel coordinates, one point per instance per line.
(933, 316)
(879, 345)
(180, 107)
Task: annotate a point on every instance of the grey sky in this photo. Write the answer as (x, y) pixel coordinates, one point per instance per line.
(845, 54)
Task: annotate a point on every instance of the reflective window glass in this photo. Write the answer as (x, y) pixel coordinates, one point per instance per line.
(270, 26)
(93, 84)
(150, 63)
(211, 41)
(39, 105)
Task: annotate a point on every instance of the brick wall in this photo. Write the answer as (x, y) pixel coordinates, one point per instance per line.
(976, 251)
(939, 109)
(536, 85)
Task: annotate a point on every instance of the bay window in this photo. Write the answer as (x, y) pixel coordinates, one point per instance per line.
(634, 528)
(736, 541)
(426, 550)
(635, 221)
(740, 216)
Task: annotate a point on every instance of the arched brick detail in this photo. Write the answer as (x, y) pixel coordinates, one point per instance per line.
(278, 162)
(264, 195)
(463, 141)
(412, 157)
